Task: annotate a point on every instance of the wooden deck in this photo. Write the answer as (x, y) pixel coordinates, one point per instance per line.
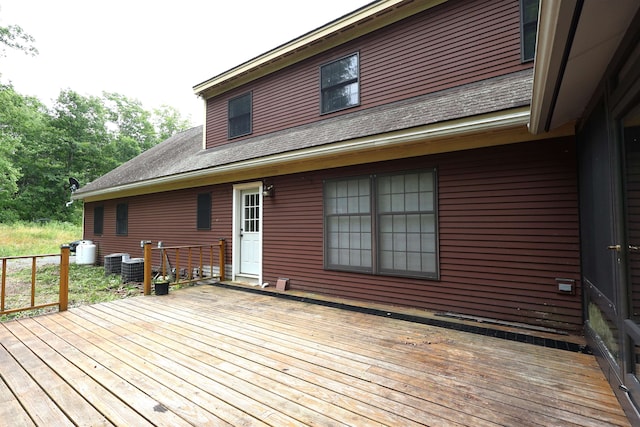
(211, 356)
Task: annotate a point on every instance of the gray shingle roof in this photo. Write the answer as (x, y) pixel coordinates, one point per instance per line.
(183, 152)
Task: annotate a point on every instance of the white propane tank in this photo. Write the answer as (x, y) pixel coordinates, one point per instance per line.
(86, 253)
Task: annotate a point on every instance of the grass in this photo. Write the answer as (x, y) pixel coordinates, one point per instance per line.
(87, 284)
(23, 238)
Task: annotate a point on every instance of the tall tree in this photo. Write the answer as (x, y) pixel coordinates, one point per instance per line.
(81, 123)
(167, 120)
(9, 140)
(14, 37)
(36, 168)
(80, 136)
(131, 121)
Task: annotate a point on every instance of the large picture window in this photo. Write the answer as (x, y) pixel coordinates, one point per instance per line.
(383, 224)
(122, 219)
(240, 115)
(339, 84)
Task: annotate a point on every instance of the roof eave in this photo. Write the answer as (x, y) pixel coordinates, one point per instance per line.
(577, 41)
(448, 136)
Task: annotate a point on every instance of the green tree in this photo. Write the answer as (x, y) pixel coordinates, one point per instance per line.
(32, 154)
(14, 37)
(131, 123)
(9, 174)
(9, 140)
(81, 123)
(80, 136)
(168, 121)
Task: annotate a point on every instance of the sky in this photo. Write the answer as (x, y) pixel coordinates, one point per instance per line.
(154, 51)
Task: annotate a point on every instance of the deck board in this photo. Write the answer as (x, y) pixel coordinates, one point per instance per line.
(206, 355)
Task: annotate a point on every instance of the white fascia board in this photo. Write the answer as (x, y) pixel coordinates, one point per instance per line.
(466, 126)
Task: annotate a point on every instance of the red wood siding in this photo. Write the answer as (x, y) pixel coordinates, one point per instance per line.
(508, 227)
(456, 43)
(508, 223)
(167, 217)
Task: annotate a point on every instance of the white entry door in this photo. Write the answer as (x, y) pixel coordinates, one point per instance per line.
(250, 232)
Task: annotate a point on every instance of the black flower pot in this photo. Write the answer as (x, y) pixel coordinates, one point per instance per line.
(161, 288)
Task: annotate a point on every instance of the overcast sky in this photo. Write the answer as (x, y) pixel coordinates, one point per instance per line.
(151, 50)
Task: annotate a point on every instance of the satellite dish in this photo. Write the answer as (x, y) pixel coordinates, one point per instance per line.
(74, 184)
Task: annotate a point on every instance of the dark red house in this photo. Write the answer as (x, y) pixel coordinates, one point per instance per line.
(408, 153)
(384, 156)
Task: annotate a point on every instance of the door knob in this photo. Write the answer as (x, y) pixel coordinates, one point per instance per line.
(614, 247)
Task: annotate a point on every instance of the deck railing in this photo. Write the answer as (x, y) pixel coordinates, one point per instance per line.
(182, 264)
(187, 265)
(63, 295)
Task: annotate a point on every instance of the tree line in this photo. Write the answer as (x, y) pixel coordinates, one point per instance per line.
(79, 136)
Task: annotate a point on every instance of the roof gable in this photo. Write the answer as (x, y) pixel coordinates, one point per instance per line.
(362, 21)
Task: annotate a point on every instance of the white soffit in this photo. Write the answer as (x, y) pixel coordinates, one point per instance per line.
(601, 27)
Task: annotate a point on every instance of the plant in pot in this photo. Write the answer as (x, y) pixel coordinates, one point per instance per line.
(161, 284)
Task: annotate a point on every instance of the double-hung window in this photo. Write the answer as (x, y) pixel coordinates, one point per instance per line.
(528, 28)
(98, 220)
(204, 211)
(122, 219)
(384, 224)
(348, 228)
(240, 115)
(339, 84)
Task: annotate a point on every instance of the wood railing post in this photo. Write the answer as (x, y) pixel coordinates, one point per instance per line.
(147, 268)
(34, 266)
(200, 272)
(177, 268)
(211, 261)
(221, 244)
(64, 278)
(4, 283)
(163, 262)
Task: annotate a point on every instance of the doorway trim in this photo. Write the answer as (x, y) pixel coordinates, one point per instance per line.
(236, 275)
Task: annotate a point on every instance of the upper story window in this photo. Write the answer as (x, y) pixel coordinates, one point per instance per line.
(528, 28)
(240, 115)
(340, 84)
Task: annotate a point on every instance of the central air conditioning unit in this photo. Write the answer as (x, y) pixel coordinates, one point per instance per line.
(132, 270)
(113, 263)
